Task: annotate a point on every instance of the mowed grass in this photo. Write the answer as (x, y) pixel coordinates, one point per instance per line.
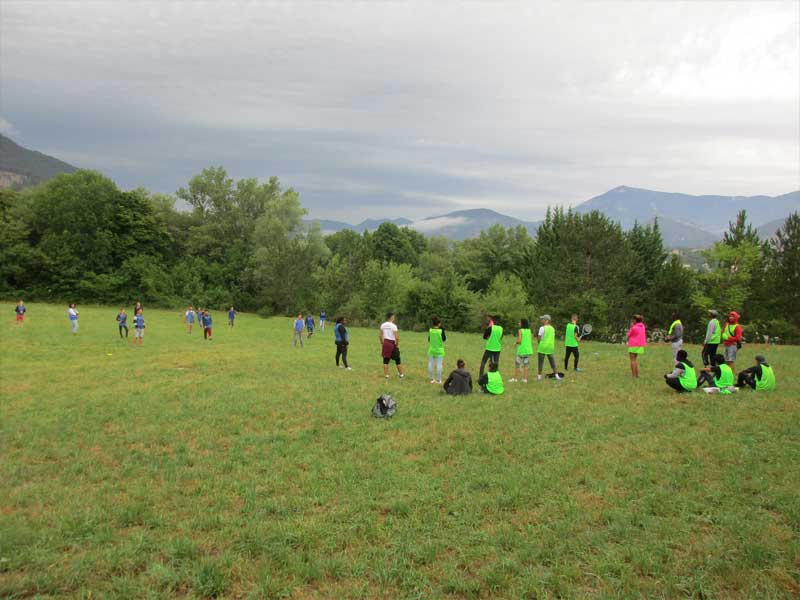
(246, 468)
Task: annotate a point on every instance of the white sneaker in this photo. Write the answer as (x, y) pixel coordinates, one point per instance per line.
(512, 380)
(439, 382)
(402, 375)
(348, 368)
(524, 381)
(386, 376)
(558, 376)
(433, 381)
(539, 377)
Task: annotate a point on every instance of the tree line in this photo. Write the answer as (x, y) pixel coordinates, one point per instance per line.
(78, 237)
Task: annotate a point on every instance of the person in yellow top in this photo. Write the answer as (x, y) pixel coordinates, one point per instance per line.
(760, 377)
(547, 346)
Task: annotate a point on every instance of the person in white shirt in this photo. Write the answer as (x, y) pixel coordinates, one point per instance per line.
(390, 345)
(73, 318)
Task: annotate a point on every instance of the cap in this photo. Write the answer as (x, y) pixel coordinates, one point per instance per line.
(545, 317)
(760, 358)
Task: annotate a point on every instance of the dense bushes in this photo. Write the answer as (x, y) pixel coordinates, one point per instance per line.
(79, 238)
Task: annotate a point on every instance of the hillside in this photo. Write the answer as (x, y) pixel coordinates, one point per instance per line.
(20, 167)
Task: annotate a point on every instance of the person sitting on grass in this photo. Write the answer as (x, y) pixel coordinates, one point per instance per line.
(718, 376)
(759, 377)
(491, 382)
(683, 378)
(459, 382)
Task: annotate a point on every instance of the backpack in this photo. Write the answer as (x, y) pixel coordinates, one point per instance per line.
(385, 407)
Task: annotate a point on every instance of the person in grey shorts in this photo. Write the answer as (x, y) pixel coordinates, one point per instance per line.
(675, 335)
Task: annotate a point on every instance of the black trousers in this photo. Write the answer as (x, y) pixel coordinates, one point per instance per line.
(341, 351)
(706, 378)
(709, 352)
(571, 350)
(488, 354)
(746, 378)
(675, 384)
(121, 327)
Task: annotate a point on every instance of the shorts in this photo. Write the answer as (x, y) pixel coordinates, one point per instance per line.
(730, 353)
(20, 316)
(636, 350)
(390, 351)
(138, 333)
(523, 360)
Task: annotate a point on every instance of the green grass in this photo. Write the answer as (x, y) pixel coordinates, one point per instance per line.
(243, 468)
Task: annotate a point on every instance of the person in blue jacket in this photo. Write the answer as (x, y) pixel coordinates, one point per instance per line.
(206, 326)
(342, 341)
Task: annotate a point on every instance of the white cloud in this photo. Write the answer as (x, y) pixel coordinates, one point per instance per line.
(7, 128)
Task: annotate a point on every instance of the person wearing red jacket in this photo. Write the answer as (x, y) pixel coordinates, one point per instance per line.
(732, 339)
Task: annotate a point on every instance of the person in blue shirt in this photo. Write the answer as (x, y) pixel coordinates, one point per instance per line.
(20, 310)
(231, 316)
(138, 328)
(199, 314)
(206, 325)
(323, 316)
(298, 329)
(310, 325)
(188, 318)
(342, 340)
(122, 321)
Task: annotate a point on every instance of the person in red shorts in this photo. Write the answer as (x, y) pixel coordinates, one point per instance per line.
(20, 310)
(390, 345)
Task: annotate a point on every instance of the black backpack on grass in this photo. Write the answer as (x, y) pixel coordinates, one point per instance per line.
(385, 407)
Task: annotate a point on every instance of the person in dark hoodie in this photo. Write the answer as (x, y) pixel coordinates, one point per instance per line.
(683, 377)
(760, 377)
(459, 382)
(732, 339)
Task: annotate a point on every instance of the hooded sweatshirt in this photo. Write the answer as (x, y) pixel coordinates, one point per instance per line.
(733, 329)
(637, 335)
(459, 382)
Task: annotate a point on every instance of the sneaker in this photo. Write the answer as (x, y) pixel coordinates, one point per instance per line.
(433, 381)
(339, 367)
(439, 382)
(539, 377)
(524, 381)
(348, 368)
(512, 380)
(386, 376)
(577, 370)
(402, 375)
(558, 376)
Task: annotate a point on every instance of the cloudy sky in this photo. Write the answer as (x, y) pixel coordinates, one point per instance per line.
(413, 109)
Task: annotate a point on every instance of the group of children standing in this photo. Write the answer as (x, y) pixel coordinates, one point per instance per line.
(205, 320)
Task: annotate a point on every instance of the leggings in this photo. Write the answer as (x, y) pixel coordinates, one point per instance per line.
(438, 361)
(675, 384)
(709, 354)
(746, 378)
(121, 327)
(706, 378)
(541, 361)
(571, 350)
(341, 350)
(488, 354)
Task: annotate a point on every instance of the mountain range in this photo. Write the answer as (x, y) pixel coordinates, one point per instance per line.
(20, 167)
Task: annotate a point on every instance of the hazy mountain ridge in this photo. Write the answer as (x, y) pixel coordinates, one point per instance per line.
(20, 167)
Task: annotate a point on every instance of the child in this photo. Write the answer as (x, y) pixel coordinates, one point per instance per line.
(637, 340)
(524, 351)
(188, 318)
(342, 340)
(459, 382)
(206, 326)
(683, 378)
(571, 339)
(719, 377)
(138, 328)
(122, 322)
(73, 318)
(389, 337)
(231, 316)
(199, 314)
(675, 335)
(310, 325)
(20, 310)
(436, 340)
(760, 377)
(492, 382)
(137, 308)
(298, 329)
(494, 343)
(547, 346)
(323, 316)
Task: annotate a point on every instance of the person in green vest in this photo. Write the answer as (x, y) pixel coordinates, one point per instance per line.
(712, 339)
(719, 377)
(759, 377)
(493, 334)
(547, 346)
(571, 339)
(491, 382)
(683, 377)
(675, 335)
(524, 351)
(436, 339)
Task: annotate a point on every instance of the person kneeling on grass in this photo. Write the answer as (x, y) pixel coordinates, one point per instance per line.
(459, 382)
(760, 377)
(491, 382)
(683, 378)
(718, 376)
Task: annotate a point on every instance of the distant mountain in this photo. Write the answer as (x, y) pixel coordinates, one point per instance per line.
(373, 224)
(685, 218)
(464, 224)
(20, 167)
(767, 230)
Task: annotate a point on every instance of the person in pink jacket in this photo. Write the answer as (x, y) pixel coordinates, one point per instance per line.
(637, 340)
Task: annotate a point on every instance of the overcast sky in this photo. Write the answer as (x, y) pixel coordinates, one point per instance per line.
(413, 109)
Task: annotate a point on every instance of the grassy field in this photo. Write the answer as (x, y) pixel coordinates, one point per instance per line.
(245, 468)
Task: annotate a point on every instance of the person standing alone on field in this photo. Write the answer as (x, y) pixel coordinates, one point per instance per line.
(389, 337)
(122, 322)
(323, 316)
(20, 310)
(73, 318)
(712, 339)
(188, 318)
(571, 339)
(298, 329)
(494, 344)
(342, 339)
(637, 340)
(231, 316)
(436, 339)
(675, 335)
